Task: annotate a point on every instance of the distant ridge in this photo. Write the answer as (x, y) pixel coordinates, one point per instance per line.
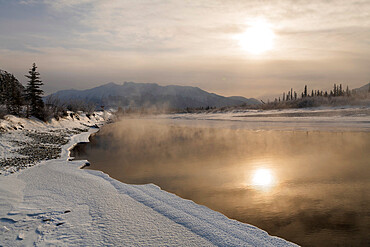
(130, 94)
(364, 89)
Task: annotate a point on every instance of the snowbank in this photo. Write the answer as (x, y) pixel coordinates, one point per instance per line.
(25, 142)
(56, 203)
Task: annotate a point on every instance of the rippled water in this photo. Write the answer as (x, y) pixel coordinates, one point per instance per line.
(307, 187)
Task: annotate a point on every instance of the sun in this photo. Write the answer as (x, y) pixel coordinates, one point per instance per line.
(257, 38)
(262, 177)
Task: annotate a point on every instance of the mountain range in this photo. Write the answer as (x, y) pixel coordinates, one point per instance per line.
(130, 94)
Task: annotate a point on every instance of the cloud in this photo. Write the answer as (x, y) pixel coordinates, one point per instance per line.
(207, 26)
(188, 42)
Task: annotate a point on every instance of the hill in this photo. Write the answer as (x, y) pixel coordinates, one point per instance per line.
(130, 94)
(362, 90)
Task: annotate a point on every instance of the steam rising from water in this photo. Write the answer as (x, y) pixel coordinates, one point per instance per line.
(308, 187)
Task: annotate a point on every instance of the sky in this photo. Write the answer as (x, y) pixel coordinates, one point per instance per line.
(85, 43)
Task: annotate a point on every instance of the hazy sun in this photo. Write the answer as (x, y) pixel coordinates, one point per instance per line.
(258, 38)
(262, 177)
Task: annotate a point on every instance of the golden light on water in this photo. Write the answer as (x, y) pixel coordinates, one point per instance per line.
(263, 177)
(258, 38)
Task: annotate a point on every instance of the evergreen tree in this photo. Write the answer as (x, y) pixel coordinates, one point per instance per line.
(16, 96)
(305, 91)
(291, 94)
(11, 91)
(34, 93)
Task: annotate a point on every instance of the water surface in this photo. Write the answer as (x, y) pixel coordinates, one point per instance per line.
(307, 187)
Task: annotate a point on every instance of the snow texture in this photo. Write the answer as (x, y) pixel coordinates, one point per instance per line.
(57, 203)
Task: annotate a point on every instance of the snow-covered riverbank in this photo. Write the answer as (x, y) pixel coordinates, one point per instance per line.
(26, 142)
(56, 203)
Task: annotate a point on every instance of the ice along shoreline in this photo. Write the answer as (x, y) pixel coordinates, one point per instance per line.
(57, 203)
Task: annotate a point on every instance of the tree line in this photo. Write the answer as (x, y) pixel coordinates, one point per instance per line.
(14, 96)
(335, 92)
(27, 101)
(311, 98)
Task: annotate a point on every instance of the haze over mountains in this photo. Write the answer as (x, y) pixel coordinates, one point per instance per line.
(130, 94)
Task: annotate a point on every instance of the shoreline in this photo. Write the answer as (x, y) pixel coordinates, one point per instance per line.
(28, 142)
(104, 143)
(168, 218)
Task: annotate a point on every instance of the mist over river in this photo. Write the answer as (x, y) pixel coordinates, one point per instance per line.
(309, 187)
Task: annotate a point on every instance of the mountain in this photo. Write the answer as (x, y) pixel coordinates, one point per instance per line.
(361, 90)
(250, 101)
(130, 94)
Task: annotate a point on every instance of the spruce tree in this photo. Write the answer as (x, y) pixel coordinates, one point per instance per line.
(305, 91)
(34, 93)
(11, 93)
(15, 96)
(291, 94)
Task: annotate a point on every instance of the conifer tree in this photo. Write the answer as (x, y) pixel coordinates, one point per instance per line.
(34, 92)
(291, 94)
(11, 93)
(15, 96)
(305, 91)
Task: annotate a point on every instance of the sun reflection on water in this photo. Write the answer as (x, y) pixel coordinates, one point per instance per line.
(263, 178)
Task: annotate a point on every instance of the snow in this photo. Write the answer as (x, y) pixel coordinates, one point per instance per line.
(57, 203)
(306, 119)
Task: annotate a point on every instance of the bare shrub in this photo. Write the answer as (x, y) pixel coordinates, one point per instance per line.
(80, 105)
(54, 108)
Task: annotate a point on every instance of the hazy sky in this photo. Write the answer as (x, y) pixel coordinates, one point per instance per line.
(84, 43)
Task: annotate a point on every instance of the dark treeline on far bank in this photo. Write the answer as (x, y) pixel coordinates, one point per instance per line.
(338, 96)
